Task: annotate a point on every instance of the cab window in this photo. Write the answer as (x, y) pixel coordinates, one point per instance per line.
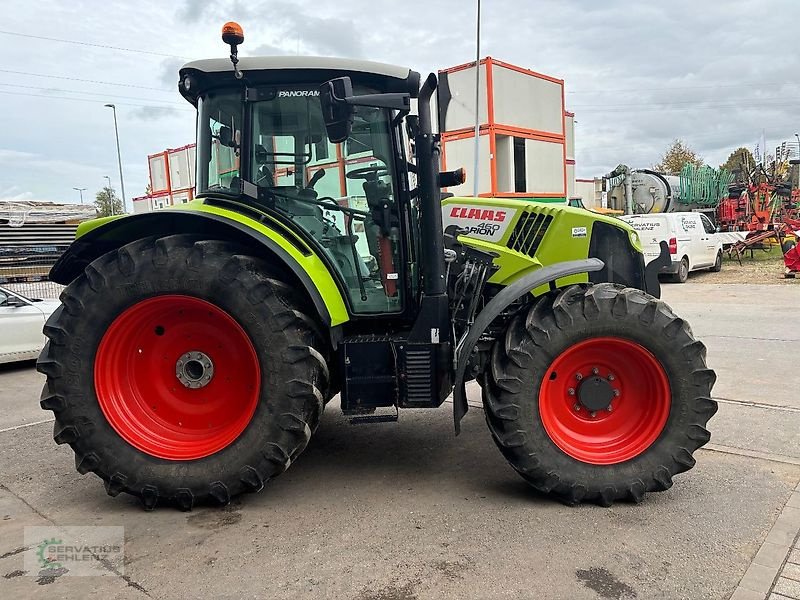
(342, 195)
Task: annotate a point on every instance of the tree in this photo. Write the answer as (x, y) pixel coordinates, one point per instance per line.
(740, 163)
(108, 203)
(677, 155)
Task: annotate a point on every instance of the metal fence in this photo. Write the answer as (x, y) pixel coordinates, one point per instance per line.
(30, 280)
(28, 252)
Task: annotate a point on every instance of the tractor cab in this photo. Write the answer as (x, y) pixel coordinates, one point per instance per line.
(262, 140)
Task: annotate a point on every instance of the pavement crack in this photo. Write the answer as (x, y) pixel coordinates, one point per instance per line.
(753, 404)
(748, 337)
(780, 458)
(24, 425)
(28, 504)
(103, 561)
(14, 552)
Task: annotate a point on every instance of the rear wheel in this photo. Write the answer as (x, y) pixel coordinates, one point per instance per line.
(598, 393)
(683, 271)
(197, 377)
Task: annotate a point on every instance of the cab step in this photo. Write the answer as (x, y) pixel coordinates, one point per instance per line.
(361, 419)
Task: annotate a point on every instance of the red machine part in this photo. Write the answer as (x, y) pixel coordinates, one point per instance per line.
(387, 266)
(791, 258)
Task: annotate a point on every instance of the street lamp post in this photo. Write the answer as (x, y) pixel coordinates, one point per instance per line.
(110, 194)
(119, 155)
(80, 191)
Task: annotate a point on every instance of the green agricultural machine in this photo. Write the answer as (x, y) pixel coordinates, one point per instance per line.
(196, 347)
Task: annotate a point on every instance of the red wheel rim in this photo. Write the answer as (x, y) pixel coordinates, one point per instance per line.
(160, 401)
(637, 411)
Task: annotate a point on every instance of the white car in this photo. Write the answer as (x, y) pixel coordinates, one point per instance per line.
(691, 236)
(21, 322)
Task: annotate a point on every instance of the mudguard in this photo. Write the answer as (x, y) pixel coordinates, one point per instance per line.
(104, 235)
(651, 283)
(496, 306)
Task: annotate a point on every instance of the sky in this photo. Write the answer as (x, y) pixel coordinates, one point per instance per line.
(638, 74)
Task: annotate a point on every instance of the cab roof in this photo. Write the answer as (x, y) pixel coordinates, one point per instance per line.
(273, 63)
(271, 70)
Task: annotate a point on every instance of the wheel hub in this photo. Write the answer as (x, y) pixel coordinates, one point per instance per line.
(194, 369)
(595, 393)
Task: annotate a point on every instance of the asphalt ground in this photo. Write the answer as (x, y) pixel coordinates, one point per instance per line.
(408, 511)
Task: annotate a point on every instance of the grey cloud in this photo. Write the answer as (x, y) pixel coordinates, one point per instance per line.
(153, 113)
(268, 50)
(169, 71)
(192, 10)
(319, 35)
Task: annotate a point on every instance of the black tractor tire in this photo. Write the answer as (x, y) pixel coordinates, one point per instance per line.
(520, 362)
(717, 263)
(286, 345)
(683, 271)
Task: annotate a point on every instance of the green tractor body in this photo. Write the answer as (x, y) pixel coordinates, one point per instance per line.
(196, 347)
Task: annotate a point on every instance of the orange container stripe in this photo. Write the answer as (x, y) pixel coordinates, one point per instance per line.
(464, 66)
(527, 72)
(530, 195)
(529, 133)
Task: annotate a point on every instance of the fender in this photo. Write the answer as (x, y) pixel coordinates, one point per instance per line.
(496, 306)
(651, 283)
(109, 234)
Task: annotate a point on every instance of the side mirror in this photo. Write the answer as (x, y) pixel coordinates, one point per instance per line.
(337, 101)
(336, 112)
(14, 302)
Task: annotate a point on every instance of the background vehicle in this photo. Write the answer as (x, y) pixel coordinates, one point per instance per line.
(21, 321)
(196, 348)
(691, 237)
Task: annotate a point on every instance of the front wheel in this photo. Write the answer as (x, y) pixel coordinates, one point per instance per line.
(717, 263)
(598, 393)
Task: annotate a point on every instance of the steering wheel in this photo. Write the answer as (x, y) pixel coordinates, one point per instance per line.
(368, 173)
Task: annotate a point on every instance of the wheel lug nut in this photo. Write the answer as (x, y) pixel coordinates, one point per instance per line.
(616, 393)
(577, 407)
(592, 414)
(611, 377)
(578, 376)
(595, 371)
(610, 408)
(571, 391)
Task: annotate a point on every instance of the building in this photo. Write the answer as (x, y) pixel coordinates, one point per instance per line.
(171, 179)
(588, 190)
(526, 137)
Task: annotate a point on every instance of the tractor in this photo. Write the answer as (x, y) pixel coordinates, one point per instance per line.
(196, 347)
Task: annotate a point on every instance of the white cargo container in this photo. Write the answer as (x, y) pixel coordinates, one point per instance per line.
(525, 148)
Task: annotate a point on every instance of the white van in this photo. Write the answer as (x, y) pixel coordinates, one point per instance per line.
(691, 236)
